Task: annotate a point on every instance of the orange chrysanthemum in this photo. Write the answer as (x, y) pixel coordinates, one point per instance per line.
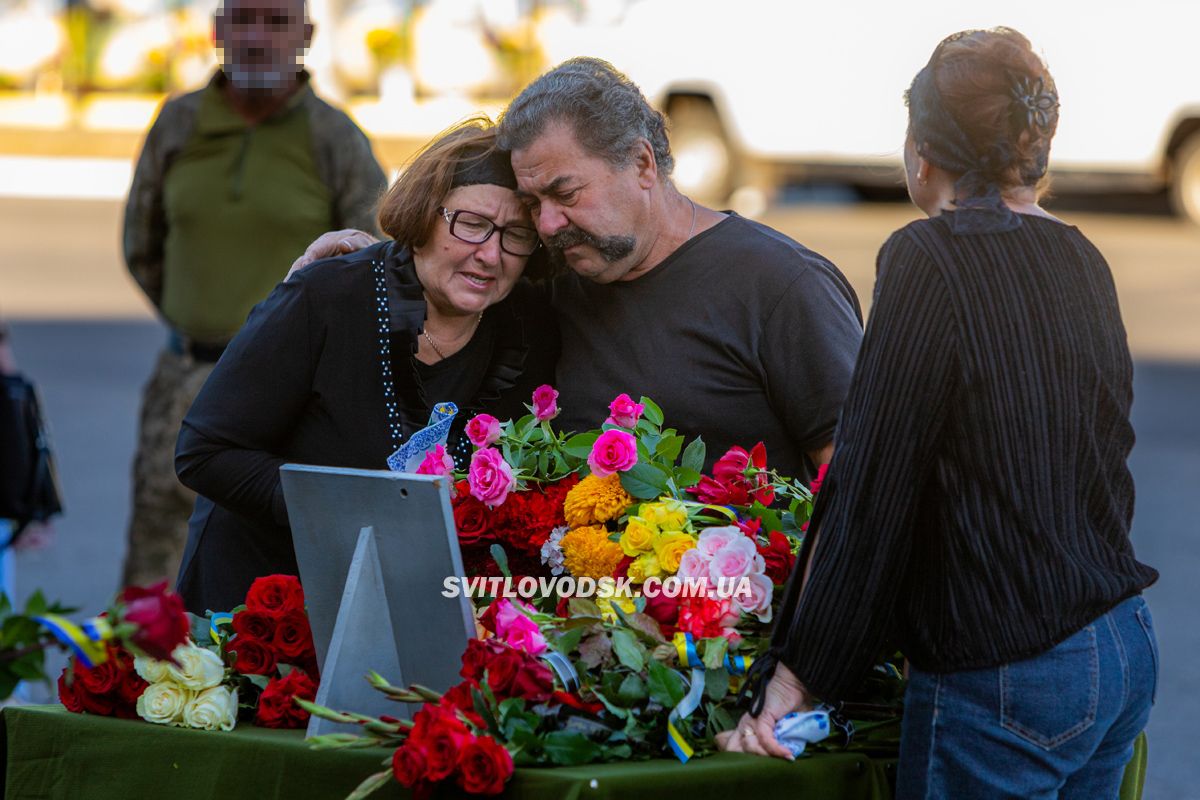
(596, 500)
(588, 553)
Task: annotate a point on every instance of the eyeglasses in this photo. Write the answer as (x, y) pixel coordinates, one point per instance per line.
(517, 240)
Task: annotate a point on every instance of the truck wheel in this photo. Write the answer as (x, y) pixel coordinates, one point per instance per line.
(704, 159)
(1185, 184)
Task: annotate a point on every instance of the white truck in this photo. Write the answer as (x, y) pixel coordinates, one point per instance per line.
(758, 90)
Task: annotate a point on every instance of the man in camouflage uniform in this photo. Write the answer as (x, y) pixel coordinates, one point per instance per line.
(232, 182)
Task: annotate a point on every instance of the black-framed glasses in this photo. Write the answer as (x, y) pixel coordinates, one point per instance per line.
(516, 240)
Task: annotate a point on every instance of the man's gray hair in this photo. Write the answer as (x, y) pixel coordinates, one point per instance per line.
(607, 111)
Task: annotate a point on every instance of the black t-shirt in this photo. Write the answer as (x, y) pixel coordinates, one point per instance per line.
(741, 335)
(457, 379)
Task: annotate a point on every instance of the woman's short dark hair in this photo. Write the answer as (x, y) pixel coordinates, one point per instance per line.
(980, 76)
(409, 208)
(605, 109)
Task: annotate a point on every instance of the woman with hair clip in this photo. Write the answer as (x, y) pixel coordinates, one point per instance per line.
(976, 511)
(343, 362)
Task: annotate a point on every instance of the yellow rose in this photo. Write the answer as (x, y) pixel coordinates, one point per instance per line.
(643, 567)
(670, 547)
(668, 514)
(213, 709)
(638, 537)
(163, 703)
(606, 604)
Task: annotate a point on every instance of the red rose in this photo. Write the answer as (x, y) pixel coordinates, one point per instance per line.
(99, 704)
(254, 625)
(409, 764)
(68, 691)
(534, 681)
(276, 706)
(778, 557)
(100, 679)
(253, 657)
(162, 623)
(729, 484)
(474, 659)
(275, 594)
(502, 668)
(484, 767)
(664, 610)
(293, 637)
(131, 688)
(458, 698)
(472, 520)
(443, 736)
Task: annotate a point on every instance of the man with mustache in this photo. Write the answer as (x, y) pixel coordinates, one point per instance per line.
(232, 180)
(739, 333)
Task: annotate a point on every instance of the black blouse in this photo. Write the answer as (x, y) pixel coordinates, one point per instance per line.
(323, 373)
(978, 504)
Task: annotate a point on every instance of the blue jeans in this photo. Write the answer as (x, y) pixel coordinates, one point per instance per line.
(1058, 725)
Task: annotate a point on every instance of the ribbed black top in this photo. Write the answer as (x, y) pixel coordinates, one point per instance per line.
(978, 505)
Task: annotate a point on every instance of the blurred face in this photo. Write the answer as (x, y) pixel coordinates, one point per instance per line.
(461, 278)
(589, 214)
(261, 43)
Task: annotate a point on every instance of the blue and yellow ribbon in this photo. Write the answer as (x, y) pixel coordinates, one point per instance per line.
(217, 619)
(86, 642)
(685, 646)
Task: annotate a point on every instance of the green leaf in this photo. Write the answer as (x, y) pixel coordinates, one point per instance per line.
(715, 649)
(652, 412)
(372, 784)
(770, 518)
(543, 463)
(632, 690)
(260, 681)
(582, 607)
(595, 650)
(693, 455)
(570, 749)
(685, 477)
(665, 685)
(580, 445)
(627, 649)
(501, 559)
(716, 683)
(29, 668)
(568, 641)
(669, 448)
(644, 481)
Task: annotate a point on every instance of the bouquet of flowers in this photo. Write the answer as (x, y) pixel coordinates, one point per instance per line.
(155, 668)
(648, 584)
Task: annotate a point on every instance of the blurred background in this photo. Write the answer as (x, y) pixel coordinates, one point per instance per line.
(790, 112)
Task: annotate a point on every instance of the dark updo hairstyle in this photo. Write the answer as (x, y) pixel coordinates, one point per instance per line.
(986, 107)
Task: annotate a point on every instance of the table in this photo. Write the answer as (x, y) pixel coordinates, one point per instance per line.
(51, 754)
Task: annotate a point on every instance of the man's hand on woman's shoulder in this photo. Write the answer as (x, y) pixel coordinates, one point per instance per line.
(333, 243)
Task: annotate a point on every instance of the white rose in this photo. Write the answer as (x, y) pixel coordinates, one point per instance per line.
(163, 703)
(212, 710)
(196, 668)
(151, 670)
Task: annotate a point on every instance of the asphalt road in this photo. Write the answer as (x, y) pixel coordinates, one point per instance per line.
(83, 332)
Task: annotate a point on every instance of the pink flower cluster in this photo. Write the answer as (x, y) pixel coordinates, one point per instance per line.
(728, 553)
(514, 628)
(624, 412)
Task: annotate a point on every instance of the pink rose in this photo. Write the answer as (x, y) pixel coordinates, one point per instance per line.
(545, 402)
(692, 564)
(758, 602)
(436, 462)
(737, 559)
(624, 412)
(518, 630)
(483, 429)
(713, 539)
(490, 477)
(614, 451)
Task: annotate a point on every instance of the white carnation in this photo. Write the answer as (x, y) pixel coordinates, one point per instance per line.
(196, 668)
(163, 703)
(213, 709)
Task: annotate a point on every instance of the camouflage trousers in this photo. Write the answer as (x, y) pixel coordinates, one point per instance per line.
(162, 505)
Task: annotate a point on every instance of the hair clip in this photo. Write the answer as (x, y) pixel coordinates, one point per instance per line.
(1031, 100)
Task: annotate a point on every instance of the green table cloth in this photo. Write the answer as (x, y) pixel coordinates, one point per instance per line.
(51, 754)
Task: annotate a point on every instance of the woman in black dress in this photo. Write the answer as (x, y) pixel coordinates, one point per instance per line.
(344, 361)
(976, 511)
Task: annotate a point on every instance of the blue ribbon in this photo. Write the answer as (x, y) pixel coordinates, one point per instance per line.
(685, 645)
(410, 454)
(87, 643)
(218, 618)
